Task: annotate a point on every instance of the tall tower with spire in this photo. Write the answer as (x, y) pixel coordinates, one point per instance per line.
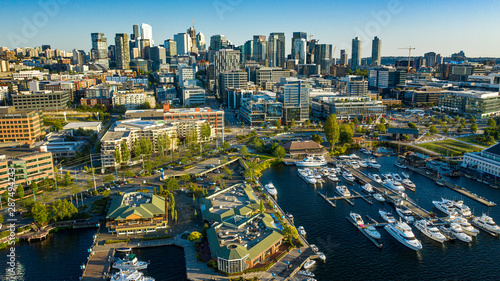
(192, 33)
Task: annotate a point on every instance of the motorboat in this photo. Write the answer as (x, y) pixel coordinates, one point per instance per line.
(408, 183)
(332, 177)
(309, 264)
(310, 180)
(374, 165)
(379, 197)
(132, 275)
(372, 231)
(461, 208)
(354, 164)
(130, 262)
(457, 231)
(314, 248)
(311, 162)
(271, 189)
(306, 273)
(387, 216)
(397, 177)
(363, 164)
(387, 176)
(342, 190)
(321, 256)
(302, 231)
(445, 206)
(348, 176)
(405, 174)
(307, 175)
(375, 177)
(357, 219)
(429, 230)
(487, 223)
(372, 160)
(367, 188)
(440, 182)
(403, 233)
(394, 185)
(465, 224)
(400, 165)
(125, 249)
(405, 213)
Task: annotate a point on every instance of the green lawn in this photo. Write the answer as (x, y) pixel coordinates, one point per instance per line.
(472, 139)
(449, 147)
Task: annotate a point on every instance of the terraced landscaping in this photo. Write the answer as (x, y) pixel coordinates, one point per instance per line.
(473, 140)
(449, 147)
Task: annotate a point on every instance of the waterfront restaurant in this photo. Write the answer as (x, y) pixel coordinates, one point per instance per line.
(303, 149)
(137, 213)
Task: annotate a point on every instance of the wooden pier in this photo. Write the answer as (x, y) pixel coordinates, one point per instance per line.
(375, 242)
(326, 198)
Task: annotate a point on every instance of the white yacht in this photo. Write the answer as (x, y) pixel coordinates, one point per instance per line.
(457, 231)
(306, 273)
(301, 230)
(321, 256)
(397, 177)
(363, 164)
(379, 197)
(332, 177)
(372, 231)
(430, 230)
(314, 248)
(394, 185)
(408, 183)
(130, 262)
(387, 216)
(400, 165)
(487, 223)
(445, 206)
(375, 177)
(348, 176)
(402, 232)
(461, 208)
(311, 162)
(357, 219)
(387, 176)
(367, 188)
(307, 175)
(465, 224)
(309, 264)
(271, 189)
(125, 275)
(342, 190)
(374, 165)
(405, 213)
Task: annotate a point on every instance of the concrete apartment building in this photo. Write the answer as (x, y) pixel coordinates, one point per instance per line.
(132, 99)
(193, 95)
(42, 100)
(19, 125)
(29, 166)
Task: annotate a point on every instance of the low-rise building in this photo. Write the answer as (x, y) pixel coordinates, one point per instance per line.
(22, 126)
(132, 99)
(480, 104)
(42, 100)
(27, 74)
(137, 213)
(193, 95)
(259, 109)
(56, 143)
(94, 126)
(347, 107)
(304, 149)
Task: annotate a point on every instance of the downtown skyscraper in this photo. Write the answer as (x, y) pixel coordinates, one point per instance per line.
(122, 52)
(276, 49)
(356, 53)
(376, 48)
(99, 50)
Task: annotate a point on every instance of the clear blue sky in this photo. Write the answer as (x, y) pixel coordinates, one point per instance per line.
(441, 26)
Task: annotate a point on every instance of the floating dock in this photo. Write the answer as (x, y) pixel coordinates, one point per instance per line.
(363, 197)
(326, 198)
(375, 242)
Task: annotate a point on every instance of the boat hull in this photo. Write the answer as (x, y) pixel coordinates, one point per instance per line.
(402, 241)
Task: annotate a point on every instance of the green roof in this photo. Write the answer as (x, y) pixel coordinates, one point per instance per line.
(244, 210)
(120, 211)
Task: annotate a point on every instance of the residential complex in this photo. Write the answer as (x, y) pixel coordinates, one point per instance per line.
(479, 104)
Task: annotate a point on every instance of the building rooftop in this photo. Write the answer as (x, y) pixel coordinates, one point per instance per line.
(76, 125)
(494, 149)
(16, 152)
(135, 205)
(236, 200)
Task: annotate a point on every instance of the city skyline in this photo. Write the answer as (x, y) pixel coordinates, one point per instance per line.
(397, 24)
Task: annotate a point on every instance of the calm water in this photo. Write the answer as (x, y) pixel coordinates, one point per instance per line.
(351, 256)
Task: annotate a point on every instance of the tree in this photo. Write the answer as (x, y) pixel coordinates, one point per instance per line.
(491, 123)
(108, 178)
(226, 145)
(125, 153)
(229, 173)
(419, 119)
(1, 219)
(118, 156)
(206, 131)
(433, 119)
(332, 130)
(472, 120)
(62, 209)
(290, 232)
(129, 174)
(185, 177)
(261, 207)
(412, 125)
(307, 123)
(382, 120)
(405, 137)
(462, 122)
(106, 193)
(375, 134)
(433, 130)
(355, 121)
(370, 121)
(459, 129)
(279, 152)
(277, 123)
(40, 213)
(171, 184)
(381, 128)
(346, 134)
(446, 130)
(34, 189)
(473, 127)
(195, 236)
(244, 151)
(20, 192)
(317, 138)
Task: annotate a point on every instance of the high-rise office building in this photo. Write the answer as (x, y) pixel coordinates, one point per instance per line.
(147, 33)
(376, 47)
(300, 49)
(225, 60)
(99, 50)
(78, 57)
(295, 36)
(218, 42)
(170, 48)
(356, 53)
(122, 52)
(323, 56)
(259, 48)
(430, 59)
(183, 43)
(111, 53)
(192, 36)
(200, 41)
(135, 32)
(296, 101)
(158, 56)
(344, 58)
(276, 49)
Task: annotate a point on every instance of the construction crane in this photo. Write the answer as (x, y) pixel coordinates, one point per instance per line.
(409, 56)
